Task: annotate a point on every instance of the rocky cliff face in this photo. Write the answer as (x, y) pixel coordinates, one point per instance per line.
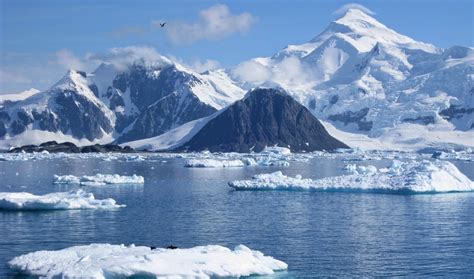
(265, 117)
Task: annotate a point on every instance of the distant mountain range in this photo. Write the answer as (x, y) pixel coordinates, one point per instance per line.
(370, 86)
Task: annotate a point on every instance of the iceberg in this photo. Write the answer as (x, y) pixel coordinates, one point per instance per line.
(401, 177)
(54, 201)
(98, 179)
(120, 261)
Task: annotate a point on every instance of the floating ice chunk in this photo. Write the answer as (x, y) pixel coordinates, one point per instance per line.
(132, 158)
(106, 260)
(276, 150)
(98, 179)
(213, 163)
(61, 200)
(350, 168)
(103, 179)
(66, 179)
(400, 177)
(363, 170)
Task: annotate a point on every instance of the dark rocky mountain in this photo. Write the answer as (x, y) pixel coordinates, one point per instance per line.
(265, 117)
(69, 147)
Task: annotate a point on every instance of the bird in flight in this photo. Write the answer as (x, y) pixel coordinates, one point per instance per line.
(162, 24)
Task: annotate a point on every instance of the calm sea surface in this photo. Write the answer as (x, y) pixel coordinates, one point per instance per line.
(317, 234)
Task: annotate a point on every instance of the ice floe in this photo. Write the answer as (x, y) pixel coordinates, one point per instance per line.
(120, 261)
(98, 179)
(401, 177)
(54, 201)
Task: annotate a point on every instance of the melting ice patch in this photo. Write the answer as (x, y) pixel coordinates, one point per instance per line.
(112, 261)
(54, 201)
(400, 177)
(98, 179)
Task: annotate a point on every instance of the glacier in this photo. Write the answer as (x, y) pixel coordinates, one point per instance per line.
(99, 179)
(120, 261)
(54, 201)
(401, 177)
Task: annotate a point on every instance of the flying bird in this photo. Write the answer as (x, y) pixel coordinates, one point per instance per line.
(162, 24)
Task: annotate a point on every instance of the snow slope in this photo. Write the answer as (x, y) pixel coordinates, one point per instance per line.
(171, 139)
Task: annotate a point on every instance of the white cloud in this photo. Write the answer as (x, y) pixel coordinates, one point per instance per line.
(349, 6)
(68, 60)
(214, 23)
(287, 73)
(252, 72)
(126, 56)
(206, 65)
(291, 71)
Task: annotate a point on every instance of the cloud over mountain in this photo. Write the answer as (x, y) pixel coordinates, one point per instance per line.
(214, 23)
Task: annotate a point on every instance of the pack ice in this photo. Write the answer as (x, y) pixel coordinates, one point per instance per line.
(98, 179)
(120, 261)
(401, 177)
(54, 201)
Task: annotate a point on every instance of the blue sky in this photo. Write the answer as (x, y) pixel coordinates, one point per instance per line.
(40, 39)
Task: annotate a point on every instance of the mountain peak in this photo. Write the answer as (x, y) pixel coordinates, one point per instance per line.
(359, 19)
(368, 31)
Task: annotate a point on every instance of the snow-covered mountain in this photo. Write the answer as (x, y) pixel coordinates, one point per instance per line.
(114, 103)
(365, 78)
(369, 85)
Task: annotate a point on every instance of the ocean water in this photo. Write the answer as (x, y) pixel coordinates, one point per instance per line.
(316, 233)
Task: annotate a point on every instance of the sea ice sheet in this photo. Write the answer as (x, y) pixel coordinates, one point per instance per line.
(119, 261)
